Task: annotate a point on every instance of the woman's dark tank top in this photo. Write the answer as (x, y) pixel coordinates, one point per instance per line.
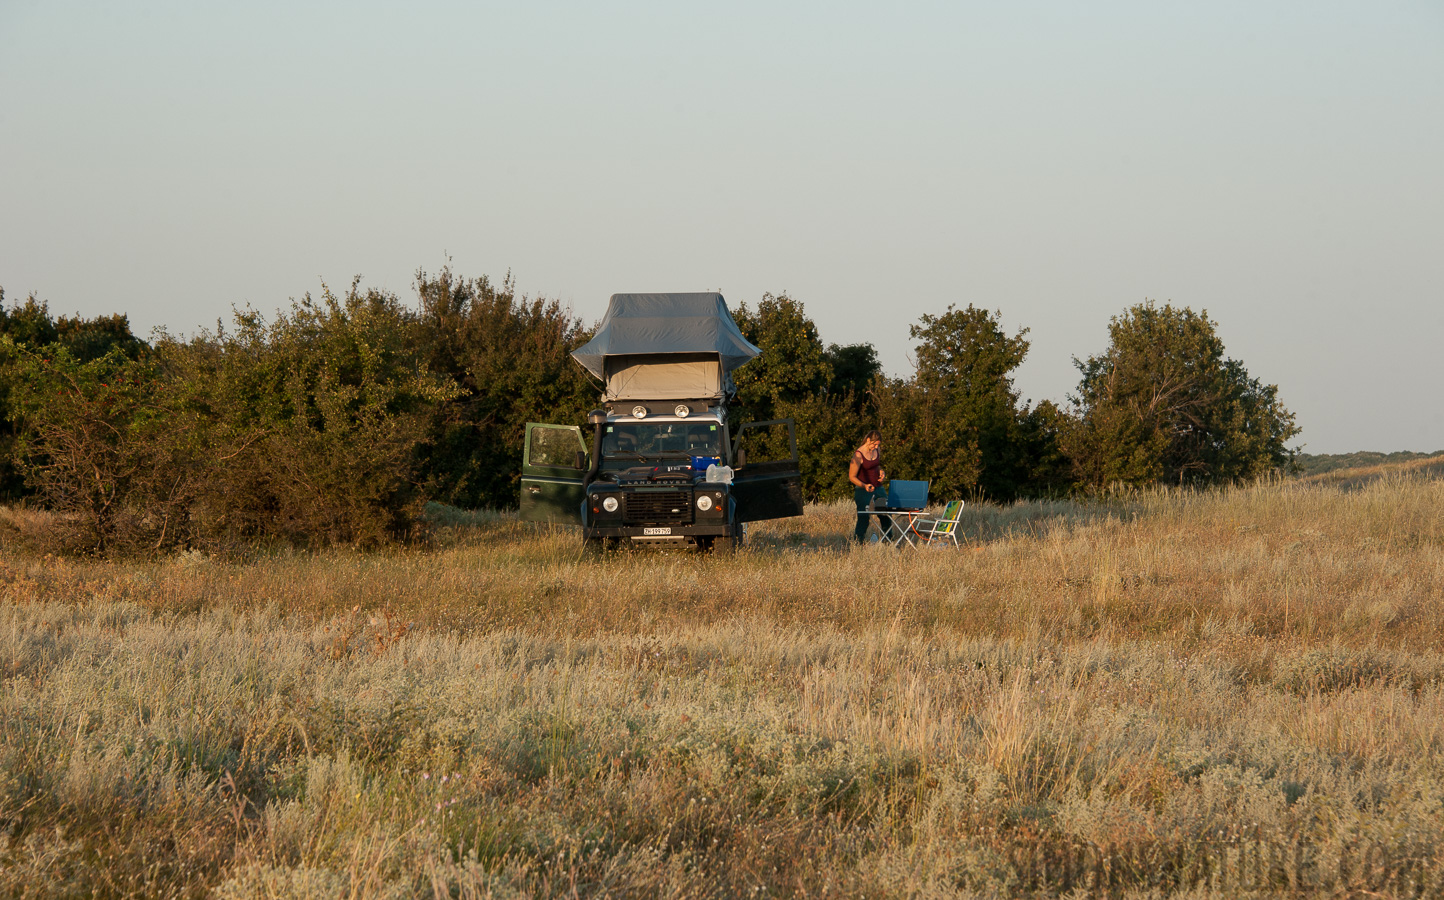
(867, 469)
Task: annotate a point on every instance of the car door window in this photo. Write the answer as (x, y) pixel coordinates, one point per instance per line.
(553, 447)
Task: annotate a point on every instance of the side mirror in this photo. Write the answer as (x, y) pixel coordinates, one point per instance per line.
(741, 457)
(581, 460)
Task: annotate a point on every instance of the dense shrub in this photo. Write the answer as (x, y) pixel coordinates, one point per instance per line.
(302, 430)
(102, 445)
(31, 325)
(509, 358)
(311, 421)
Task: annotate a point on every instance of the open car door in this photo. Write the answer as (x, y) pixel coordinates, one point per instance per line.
(768, 484)
(553, 464)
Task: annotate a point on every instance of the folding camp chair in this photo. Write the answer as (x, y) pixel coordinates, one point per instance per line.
(906, 501)
(945, 526)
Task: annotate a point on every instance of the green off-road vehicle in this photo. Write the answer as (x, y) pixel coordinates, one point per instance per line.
(662, 466)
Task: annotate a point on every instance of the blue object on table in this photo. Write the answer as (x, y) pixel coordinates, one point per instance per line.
(906, 495)
(700, 463)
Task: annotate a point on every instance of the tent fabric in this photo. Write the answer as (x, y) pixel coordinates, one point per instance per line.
(650, 324)
(664, 376)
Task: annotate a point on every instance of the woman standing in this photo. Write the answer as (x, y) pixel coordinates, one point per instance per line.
(866, 474)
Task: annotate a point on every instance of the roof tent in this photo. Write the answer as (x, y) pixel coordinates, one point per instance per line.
(666, 347)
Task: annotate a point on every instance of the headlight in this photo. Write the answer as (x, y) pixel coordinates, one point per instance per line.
(682, 411)
(610, 504)
(639, 411)
(704, 503)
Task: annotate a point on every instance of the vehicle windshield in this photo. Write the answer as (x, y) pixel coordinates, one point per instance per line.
(654, 440)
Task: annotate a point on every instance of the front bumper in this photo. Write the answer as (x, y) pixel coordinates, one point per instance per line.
(673, 533)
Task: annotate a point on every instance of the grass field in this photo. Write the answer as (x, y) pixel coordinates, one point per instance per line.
(1197, 694)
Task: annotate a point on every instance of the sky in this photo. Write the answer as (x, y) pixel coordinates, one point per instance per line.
(1279, 165)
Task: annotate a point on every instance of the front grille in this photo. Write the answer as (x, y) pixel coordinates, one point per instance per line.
(657, 507)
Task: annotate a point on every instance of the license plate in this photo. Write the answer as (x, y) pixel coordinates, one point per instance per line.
(649, 531)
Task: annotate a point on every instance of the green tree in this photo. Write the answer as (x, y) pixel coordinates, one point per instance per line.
(822, 389)
(920, 442)
(509, 358)
(831, 423)
(964, 426)
(30, 325)
(854, 369)
(100, 444)
(793, 364)
(1044, 430)
(828, 430)
(311, 421)
(1163, 404)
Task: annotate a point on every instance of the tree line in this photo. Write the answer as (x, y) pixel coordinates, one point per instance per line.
(333, 422)
(1161, 404)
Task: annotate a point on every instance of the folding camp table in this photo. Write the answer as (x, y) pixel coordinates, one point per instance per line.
(906, 501)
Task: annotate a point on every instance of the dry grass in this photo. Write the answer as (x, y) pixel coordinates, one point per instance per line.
(1184, 676)
(1358, 476)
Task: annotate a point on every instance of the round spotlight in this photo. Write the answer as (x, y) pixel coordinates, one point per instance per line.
(639, 411)
(610, 504)
(682, 411)
(704, 503)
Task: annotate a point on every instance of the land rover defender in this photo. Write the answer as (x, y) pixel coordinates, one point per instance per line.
(662, 466)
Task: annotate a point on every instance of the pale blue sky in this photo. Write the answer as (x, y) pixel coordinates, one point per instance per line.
(1278, 164)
